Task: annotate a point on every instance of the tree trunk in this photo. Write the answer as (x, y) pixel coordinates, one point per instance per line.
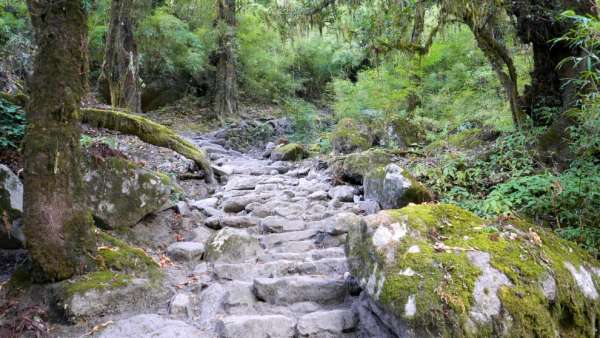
(58, 227)
(538, 24)
(226, 88)
(504, 67)
(149, 132)
(120, 78)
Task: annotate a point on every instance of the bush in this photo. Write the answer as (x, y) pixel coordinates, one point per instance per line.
(12, 125)
(168, 47)
(264, 62)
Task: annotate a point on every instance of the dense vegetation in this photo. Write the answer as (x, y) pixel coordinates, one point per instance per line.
(454, 69)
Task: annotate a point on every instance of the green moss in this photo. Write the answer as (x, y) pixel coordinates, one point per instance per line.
(348, 137)
(148, 131)
(442, 285)
(291, 152)
(99, 280)
(466, 139)
(522, 259)
(116, 255)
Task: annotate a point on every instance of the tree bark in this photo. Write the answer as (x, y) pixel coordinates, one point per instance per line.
(537, 24)
(58, 227)
(226, 87)
(120, 70)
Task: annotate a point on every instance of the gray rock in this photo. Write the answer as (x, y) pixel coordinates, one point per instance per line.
(367, 207)
(237, 204)
(239, 294)
(205, 203)
(280, 224)
(393, 187)
(121, 193)
(230, 245)
(242, 182)
(183, 209)
(274, 239)
(343, 193)
(11, 207)
(150, 325)
(487, 303)
(181, 305)
(136, 294)
(327, 323)
(239, 221)
(186, 251)
(270, 326)
(211, 304)
(319, 196)
(202, 234)
(343, 221)
(289, 290)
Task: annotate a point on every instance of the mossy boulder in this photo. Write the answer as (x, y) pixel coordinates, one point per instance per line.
(353, 167)
(11, 208)
(350, 136)
(127, 279)
(400, 132)
(230, 245)
(440, 271)
(120, 193)
(394, 187)
(289, 152)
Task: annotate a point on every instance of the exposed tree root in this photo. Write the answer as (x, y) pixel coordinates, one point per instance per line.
(149, 132)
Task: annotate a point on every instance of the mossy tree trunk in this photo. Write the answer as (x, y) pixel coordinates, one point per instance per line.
(120, 79)
(58, 227)
(226, 87)
(538, 24)
(149, 132)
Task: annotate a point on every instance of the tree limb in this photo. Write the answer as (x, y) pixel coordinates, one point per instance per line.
(149, 132)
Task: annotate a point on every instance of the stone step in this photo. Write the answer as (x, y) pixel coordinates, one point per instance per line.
(311, 255)
(247, 272)
(295, 289)
(256, 326)
(274, 239)
(328, 323)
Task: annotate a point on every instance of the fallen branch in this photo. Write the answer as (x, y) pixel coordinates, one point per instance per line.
(149, 132)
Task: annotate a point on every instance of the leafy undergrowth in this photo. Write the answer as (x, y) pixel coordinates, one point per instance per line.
(505, 177)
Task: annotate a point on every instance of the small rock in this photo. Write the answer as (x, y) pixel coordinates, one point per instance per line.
(186, 251)
(183, 209)
(150, 325)
(256, 326)
(181, 305)
(327, 323)
(343, 193)
(319, 196)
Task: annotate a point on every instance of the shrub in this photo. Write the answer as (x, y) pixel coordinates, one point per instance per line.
(12, 125)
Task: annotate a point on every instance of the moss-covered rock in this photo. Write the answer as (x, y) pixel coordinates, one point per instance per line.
(438, 270)
(289, 152)
(11, 208)
(126, 279)
(120, 193)
(349, 136)
(393, 187)
(353, 167)
(401, 132)
(231, 245)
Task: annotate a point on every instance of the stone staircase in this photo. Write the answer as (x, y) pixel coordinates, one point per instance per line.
(295, 285)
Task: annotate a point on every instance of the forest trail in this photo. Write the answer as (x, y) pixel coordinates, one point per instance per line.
(286, 273)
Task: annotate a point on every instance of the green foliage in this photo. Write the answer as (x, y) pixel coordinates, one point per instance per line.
(168, 47)
(12, 125)
(317, 60)
(264, 62)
